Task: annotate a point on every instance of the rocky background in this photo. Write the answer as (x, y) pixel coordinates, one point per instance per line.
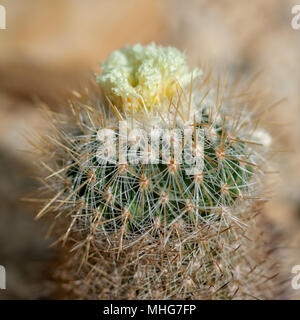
(49, 46)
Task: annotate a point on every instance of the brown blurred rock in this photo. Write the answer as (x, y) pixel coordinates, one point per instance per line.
(23, 250)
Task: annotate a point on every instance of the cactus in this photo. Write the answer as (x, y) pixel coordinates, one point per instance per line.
(146, 225)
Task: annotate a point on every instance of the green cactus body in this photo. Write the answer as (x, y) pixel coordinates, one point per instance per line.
(146, 191)
(151, 229)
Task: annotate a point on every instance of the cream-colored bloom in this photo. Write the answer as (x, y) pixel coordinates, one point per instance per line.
(144, 76)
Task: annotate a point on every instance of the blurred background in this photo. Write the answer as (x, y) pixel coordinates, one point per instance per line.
(50, 45)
